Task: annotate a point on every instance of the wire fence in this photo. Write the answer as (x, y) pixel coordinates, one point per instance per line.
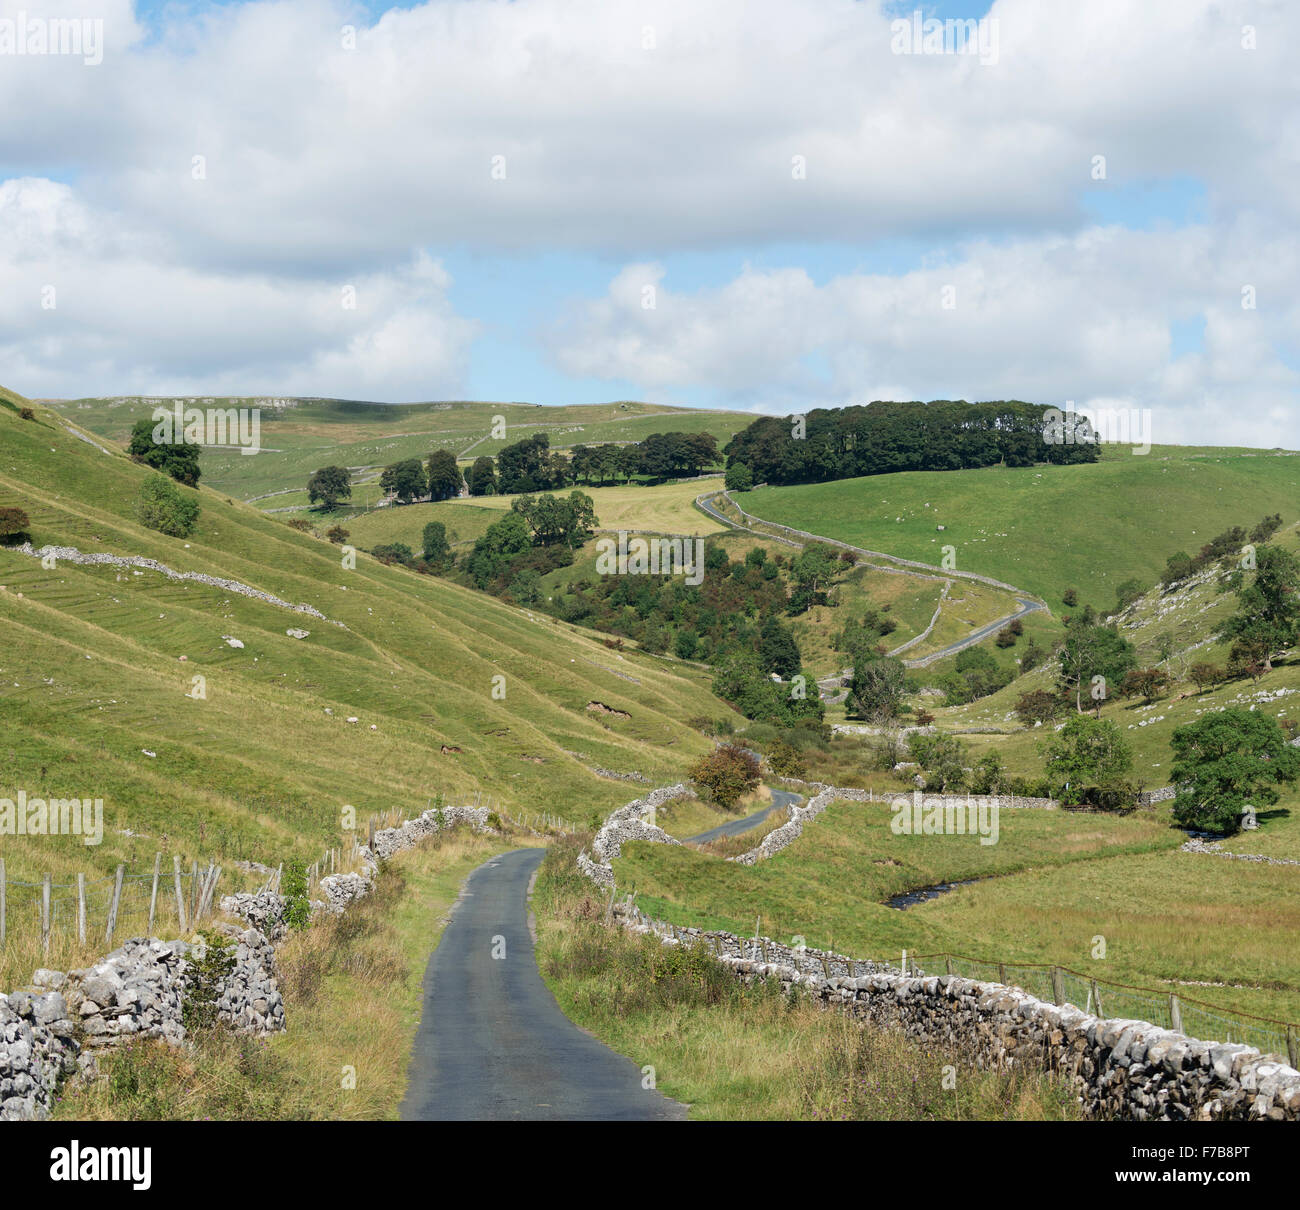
(129, 902)
(1102, 998)
(85, 910)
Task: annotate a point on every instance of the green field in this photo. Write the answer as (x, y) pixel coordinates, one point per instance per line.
(298, 436)
(663, 508)
(1054, 882)
(1049, 528)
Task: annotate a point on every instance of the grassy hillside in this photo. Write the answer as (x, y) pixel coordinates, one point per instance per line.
(97, 668)
(1049, 528)
(300, 435)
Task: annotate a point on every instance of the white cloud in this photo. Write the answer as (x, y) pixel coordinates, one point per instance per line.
(1085, 318)
(323, 165)
(122, 313)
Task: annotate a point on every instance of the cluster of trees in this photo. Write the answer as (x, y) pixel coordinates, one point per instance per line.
(1267, 620)
(537, 535)
(438, 478)
(531, 465)
(733, 619)
(840, 443)
(160, 505)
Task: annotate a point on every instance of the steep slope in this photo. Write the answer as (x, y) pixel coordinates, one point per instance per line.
(97, 690)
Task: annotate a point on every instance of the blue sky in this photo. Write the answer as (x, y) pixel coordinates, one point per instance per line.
(946, 239)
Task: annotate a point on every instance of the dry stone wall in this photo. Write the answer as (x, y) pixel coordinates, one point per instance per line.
(1118, 1068)
(51, 1029)
(623, 825)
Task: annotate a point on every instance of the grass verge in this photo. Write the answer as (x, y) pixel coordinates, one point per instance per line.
(733, 1052)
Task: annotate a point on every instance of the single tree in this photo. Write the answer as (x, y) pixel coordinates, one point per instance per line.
(444, 477)
(1225, 762)
(434, 542)
(329, 485)
(482, 477)
(406, 480)
(1037, 706)
(739, 478)
(878, 688)
(1087, 753)
(179, 459)
(728, 772)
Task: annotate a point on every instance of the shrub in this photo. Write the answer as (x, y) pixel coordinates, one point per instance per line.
(1070, 597)
(393, 552)
(301, 524)
(337, 534)
(210, 964)
(785, 760)
(727, 773)
(164, 507)
(297, 908)
(1006, 637)
(27, 413)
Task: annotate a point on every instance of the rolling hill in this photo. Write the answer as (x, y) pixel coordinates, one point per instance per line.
(298, 436)
(1048, 528)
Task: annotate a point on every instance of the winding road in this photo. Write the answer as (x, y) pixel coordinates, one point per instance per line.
(492, 1044)
(735, 827)
(828, 684)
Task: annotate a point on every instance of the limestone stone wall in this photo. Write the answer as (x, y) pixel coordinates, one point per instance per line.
(1119, 1068)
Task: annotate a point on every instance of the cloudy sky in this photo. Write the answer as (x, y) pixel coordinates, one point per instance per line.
(766, 205)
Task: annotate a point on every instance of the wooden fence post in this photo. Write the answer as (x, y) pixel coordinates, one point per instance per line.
(948, 965)
(1058, 986)
(1292, 1052)
(81, 909)
(1002, 973)
(180, 899)
(194, 889)
(1096, 998)
(153, 893)
(112, 907)
(45, 915)
(1175, 1014)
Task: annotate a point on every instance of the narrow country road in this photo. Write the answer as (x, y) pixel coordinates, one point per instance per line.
(704, 503)
(736, 827)
(492, 1044)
